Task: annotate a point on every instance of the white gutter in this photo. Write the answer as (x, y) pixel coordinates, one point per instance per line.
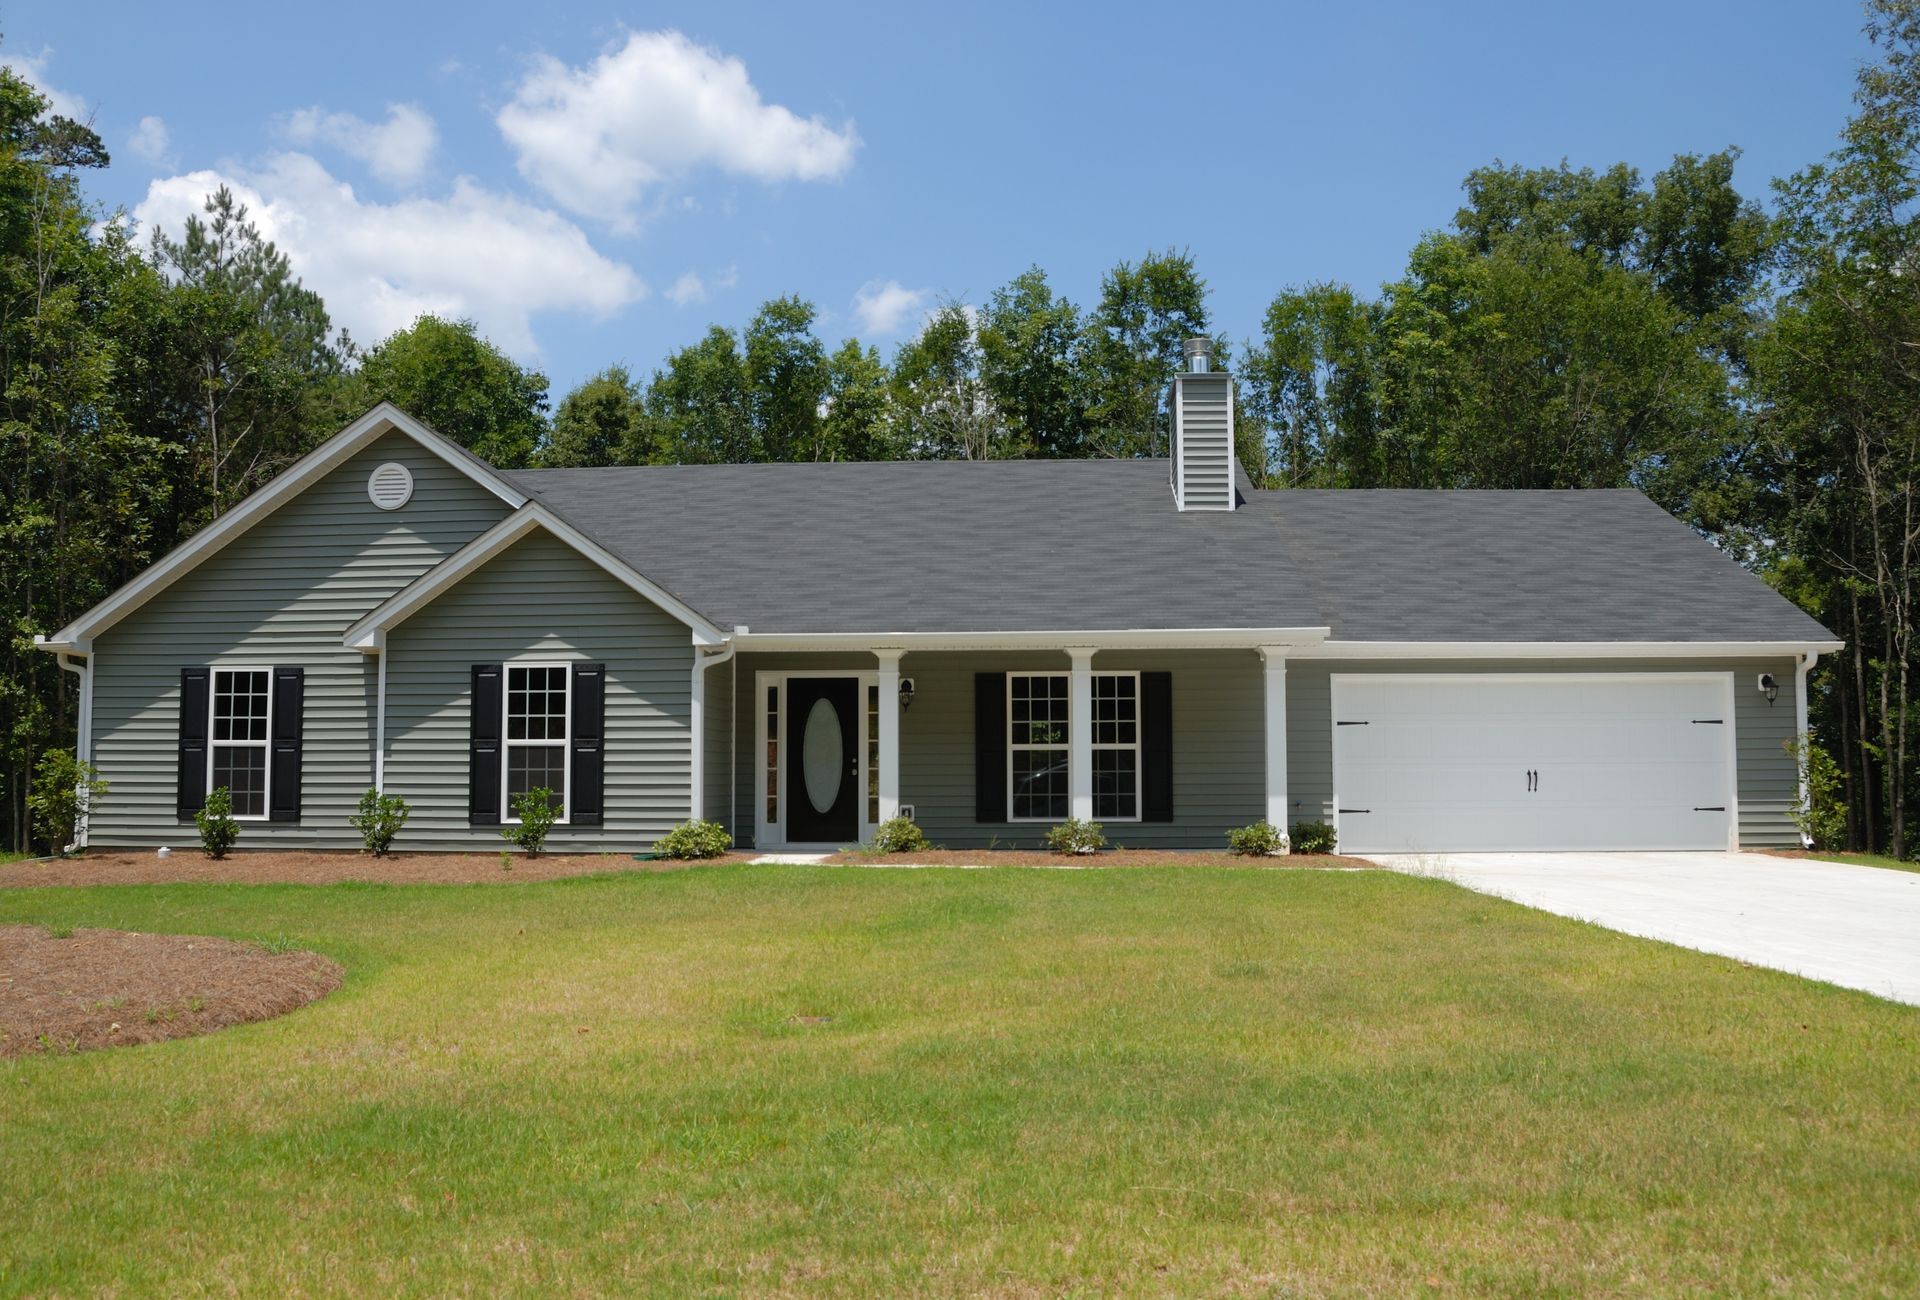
(1801, 669)
(1566, 649)
(704, 657)
(1229, 638)
(83, 734)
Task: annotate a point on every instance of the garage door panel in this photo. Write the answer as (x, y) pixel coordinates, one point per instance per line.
(1447, 763)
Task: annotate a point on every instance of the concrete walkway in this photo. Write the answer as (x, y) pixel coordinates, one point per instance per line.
(1858, 927)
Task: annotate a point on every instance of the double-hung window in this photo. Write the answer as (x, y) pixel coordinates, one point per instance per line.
(1116, 747)
(1039, 746)
(242, 701)
(536, 735)
(1037, 739)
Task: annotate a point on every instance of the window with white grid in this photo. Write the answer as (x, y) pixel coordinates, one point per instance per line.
(237, 737)
(1116, 747)
(536, 735)
(1037, 747)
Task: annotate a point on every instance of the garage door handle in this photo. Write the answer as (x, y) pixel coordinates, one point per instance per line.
(1715, 808)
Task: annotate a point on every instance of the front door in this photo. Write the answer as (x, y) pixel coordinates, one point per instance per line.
(823, 760)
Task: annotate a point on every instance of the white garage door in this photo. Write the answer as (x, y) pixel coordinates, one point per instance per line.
(1460, 762)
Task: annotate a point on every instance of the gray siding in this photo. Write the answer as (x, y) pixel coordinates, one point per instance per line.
(1766, 779)
(540, 600)
(718, 753)
(1218, 746)
(282, 592)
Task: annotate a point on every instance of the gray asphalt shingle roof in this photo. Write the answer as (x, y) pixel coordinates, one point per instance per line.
(972, 546)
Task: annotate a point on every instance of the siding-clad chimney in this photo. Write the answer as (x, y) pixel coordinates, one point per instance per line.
(1202, 432)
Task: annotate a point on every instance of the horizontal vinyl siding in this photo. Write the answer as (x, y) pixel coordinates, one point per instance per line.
(1206, 443)
(1766, 779)
(718, 752)
(540, 600)
(281, 593)
(1218, 744)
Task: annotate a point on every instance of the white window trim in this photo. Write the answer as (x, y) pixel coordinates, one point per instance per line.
(1093, 737)
(769, 835)
(264, 746)
(506, 746)
(1064, 746)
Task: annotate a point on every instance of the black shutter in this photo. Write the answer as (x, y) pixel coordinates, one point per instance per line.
(989, 747)
(284, 744)
(1156, 747)
(483, 750)
(191, 791)
(586, 802)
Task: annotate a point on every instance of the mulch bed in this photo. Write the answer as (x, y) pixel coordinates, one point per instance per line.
(106, 988)
(106, 867)
(1107, 858)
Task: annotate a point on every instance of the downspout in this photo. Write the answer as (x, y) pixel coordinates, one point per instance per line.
(83, 733)
(704, 657)
(380, 726)
(1804, 666)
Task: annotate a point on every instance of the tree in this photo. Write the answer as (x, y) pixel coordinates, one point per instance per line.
(444, 373)
(786, 379)
(698, 408)
(1838, 372)
(941, 405)
(1131, 347)
(1028, 363)
(857, 424)
(601, 422)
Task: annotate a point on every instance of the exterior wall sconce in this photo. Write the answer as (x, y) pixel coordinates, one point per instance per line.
(1768, 687)
(906, 692)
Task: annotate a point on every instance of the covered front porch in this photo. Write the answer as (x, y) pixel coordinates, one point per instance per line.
(1166, 741)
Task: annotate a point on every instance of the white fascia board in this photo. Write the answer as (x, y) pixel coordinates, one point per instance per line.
(1231, 638)
(369, 634)
(329, 455)
(1565, 649)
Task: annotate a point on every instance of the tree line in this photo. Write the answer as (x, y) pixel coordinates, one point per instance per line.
(1753, 371)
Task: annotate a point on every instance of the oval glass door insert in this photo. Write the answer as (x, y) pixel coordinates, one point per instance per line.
(821, 755)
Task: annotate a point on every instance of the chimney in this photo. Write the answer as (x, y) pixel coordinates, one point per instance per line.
(1202, 404)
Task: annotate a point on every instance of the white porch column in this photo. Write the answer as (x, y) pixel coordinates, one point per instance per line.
(889, 738)
(1080, 732)
(1276, 696)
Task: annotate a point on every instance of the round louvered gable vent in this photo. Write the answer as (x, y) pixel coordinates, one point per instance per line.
(390, 486)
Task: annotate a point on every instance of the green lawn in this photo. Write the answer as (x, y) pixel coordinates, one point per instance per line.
(1867, 860)
(1140, 1081)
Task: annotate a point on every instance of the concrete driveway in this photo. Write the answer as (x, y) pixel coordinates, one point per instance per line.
(1854, 926)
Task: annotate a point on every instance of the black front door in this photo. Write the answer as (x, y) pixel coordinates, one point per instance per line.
(823, 760)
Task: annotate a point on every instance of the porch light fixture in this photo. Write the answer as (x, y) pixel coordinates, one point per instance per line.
(906, 692)
(1769, 687)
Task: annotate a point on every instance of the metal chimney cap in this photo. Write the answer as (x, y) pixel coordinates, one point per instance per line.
(1199, 354)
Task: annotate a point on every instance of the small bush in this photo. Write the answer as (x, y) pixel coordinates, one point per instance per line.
(1311, 837)
(1260, 840)
(218, 830)
(536, 812)
(694, 839)
(899, 835)
(380, 818)
(64, 791)
(1076, 836)
(1822, 820)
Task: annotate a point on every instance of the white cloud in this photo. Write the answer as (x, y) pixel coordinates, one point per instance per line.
(151, 141)
(657, 107)
(882, 307)
(688, 288)
(473, 253)
(33, 68)
(397, 150)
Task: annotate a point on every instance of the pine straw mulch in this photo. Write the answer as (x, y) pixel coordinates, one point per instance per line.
(106, 988)
(299, 867)
(1105, 858)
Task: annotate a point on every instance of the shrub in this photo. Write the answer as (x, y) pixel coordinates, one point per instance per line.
(64, 791)
(1260, 840)
(1822, 820)
(536, 812)
(380, 818)
(1076, 836)
(694, 839)
(218, 830)
(1311, 837)
(899, 835)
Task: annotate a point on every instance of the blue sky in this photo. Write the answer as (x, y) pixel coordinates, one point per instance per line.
(597, 183)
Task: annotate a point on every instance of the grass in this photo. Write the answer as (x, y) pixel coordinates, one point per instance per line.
(1866, 860)
(768, 1080)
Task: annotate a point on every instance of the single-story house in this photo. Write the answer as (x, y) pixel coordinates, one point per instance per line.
(802, 651)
